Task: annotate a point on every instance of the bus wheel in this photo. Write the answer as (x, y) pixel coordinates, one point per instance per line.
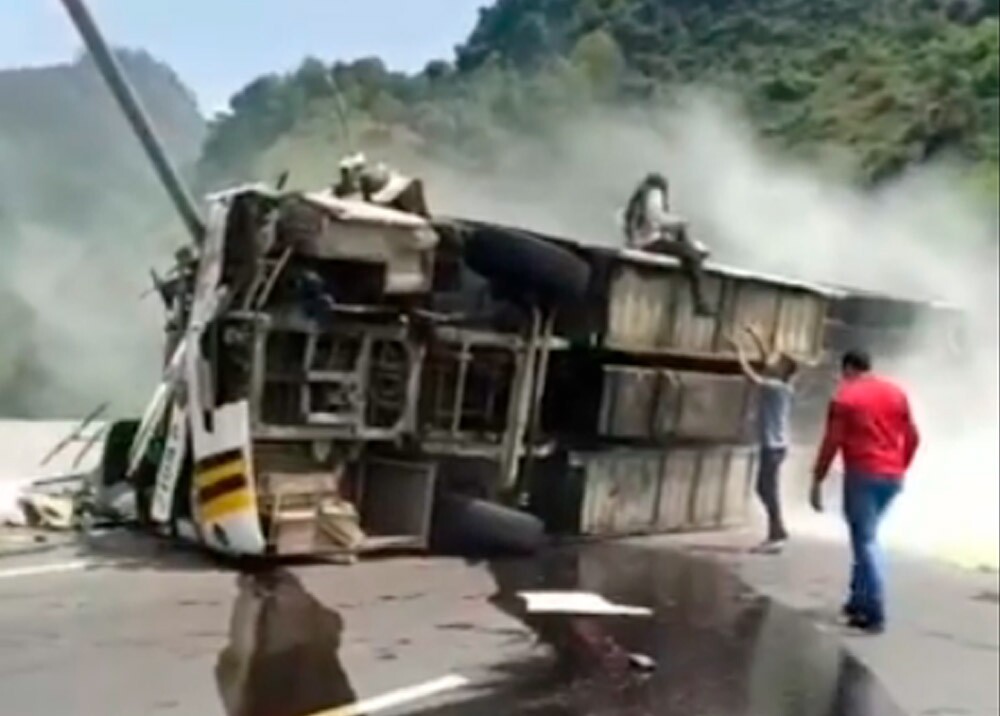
(469, 526)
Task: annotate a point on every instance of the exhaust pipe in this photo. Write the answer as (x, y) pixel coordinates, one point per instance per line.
(130, 105)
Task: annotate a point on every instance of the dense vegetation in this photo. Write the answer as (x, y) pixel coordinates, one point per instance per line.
(897, 82)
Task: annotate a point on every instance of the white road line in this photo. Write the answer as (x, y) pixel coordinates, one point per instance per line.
(41, 569)
(378, 704)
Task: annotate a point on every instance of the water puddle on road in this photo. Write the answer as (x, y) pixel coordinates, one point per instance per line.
(711, 648)
(281, 659)
(717, 649)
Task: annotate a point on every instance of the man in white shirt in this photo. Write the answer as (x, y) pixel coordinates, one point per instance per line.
(380, 185)
(349, 182)
(650, 226)
(776, 390)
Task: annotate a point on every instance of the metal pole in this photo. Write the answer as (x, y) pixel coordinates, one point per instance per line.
(523, 484)
(130, 105)
(520, 403)
(338, 100)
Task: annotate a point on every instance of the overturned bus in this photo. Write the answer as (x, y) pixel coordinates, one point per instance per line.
(342, 376)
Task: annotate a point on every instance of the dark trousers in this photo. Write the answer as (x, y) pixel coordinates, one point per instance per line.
(866, 499)
(691, 261)
(768, 473)
(692, 267)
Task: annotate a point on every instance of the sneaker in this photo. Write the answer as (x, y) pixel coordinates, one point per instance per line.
(770, 546)
(849, 611)
(866, 624)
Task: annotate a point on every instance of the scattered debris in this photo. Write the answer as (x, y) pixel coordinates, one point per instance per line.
(32, 513)
(55, 512)
(65, 503)
(641, 662)
(578, 603)
(11, 514)
(340, 522)
(45, 504)
(77, 435)
(115, 504)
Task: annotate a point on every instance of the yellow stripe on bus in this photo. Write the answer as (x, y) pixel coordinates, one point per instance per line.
(227, 505)
(213, 475)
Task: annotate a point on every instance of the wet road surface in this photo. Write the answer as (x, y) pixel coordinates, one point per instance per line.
(184, 639)
(718, 649)
(282, 656)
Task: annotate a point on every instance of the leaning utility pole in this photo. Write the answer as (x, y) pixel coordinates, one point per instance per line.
(136, 115)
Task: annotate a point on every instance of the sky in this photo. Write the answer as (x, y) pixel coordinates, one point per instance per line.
(217, 46)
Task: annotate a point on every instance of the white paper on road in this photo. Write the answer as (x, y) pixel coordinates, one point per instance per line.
(580, 603)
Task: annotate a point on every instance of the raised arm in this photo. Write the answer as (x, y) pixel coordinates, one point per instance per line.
(757, 341)
(748, 370)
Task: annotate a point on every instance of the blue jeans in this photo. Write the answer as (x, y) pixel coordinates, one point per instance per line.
(866, 499)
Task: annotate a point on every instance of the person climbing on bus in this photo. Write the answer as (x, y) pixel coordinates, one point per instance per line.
(775, 384)
(350, 172)
(381, 185)
(650, 226)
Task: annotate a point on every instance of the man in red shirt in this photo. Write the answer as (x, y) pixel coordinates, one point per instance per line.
(870, 425)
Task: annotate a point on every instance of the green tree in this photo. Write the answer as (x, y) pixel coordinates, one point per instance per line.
(853, 73)
(599, 58)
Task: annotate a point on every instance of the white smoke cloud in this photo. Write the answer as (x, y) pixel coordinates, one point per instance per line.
(922, 237)
(90, 333)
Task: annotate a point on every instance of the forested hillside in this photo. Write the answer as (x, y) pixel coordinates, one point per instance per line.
(66, 153)
(81, 215)
(896, 82)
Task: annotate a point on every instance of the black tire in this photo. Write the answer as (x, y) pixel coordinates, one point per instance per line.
(468, 526)
(525, 268)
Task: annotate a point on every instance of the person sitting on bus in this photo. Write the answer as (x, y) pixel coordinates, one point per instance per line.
(650, 226)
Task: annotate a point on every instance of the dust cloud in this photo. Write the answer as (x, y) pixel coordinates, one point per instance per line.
(83, 333)
(920, 237)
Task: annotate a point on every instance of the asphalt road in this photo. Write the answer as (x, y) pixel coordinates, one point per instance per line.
(941, 653)
(127, 625)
